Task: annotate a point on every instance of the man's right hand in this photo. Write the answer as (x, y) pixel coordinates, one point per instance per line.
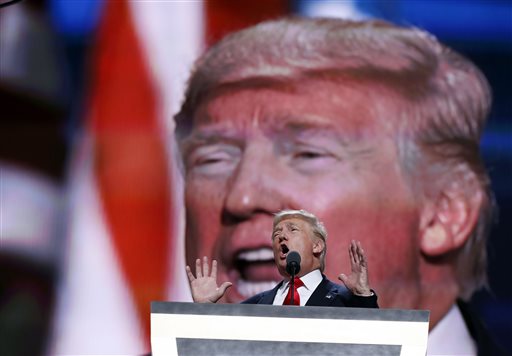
(204, 284)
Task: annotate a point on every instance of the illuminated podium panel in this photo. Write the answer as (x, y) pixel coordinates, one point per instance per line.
(241, 329)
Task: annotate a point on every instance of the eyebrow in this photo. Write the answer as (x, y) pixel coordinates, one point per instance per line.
(209, 136)
(212, 132)
(290, 224)
(294, 122)
(277, 229)
(280, 228)
(277, 123)
(280, 129)
(307, 130)
(315, 126)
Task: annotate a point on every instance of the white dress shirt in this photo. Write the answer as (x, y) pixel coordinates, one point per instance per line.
(310, 280)
(451, 336)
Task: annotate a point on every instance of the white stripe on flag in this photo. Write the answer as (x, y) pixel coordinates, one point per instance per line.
(95, 311)
(171, 35)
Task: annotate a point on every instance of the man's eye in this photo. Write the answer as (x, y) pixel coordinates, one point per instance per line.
(308, 154)
(211, 160)
(312, 160)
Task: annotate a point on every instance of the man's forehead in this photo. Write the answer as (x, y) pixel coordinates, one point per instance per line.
(317, 106)
(290, 221)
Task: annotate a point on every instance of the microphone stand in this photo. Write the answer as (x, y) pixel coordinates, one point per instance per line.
(292, 285)
(292, 268)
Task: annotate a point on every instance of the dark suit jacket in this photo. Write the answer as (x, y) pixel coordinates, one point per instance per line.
(327, 294)
(485, 342)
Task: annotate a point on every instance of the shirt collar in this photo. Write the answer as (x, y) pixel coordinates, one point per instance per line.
(310, 280)
(451, 336)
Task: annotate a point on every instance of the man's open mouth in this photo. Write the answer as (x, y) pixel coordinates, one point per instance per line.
(284, 249)
(256, 270)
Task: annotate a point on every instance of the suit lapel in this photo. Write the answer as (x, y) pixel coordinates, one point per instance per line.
(268, 298)
(324, 294)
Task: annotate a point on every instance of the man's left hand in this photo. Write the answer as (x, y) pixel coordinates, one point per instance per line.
(357, 281)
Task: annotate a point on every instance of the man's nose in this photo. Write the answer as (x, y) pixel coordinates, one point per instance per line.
(255, 186)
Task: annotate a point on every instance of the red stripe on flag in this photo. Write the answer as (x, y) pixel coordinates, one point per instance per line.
(130, 159)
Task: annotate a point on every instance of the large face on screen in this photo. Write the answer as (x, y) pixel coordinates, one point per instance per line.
(319, 146)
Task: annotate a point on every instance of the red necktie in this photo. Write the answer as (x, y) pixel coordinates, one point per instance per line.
(297, 283)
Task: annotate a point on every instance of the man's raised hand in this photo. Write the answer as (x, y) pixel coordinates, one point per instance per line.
(357, 281)
(204, 284)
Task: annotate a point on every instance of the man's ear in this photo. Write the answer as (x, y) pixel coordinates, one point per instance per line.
(447, 222)
(318, 246)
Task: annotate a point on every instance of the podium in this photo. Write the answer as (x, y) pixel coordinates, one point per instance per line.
(241, 329)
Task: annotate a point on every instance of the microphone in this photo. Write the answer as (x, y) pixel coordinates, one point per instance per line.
(293, 263)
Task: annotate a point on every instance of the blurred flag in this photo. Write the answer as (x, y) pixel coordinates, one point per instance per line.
(125, 243)
(125, 230)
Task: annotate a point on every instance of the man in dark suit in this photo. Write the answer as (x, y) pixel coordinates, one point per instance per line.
(302, 232)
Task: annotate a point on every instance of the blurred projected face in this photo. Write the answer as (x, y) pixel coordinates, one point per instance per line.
(319, 146)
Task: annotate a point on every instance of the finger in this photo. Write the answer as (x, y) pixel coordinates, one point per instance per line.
(350, 257)
(199, 273)
(190, 275)
(206, 268)
(355, 252)
(359, 248)
(343, 277)
(360, 252)
(214, 269)
(351, 254)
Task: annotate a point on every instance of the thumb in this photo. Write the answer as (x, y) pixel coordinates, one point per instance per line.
(343, 277)
(224, 286)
